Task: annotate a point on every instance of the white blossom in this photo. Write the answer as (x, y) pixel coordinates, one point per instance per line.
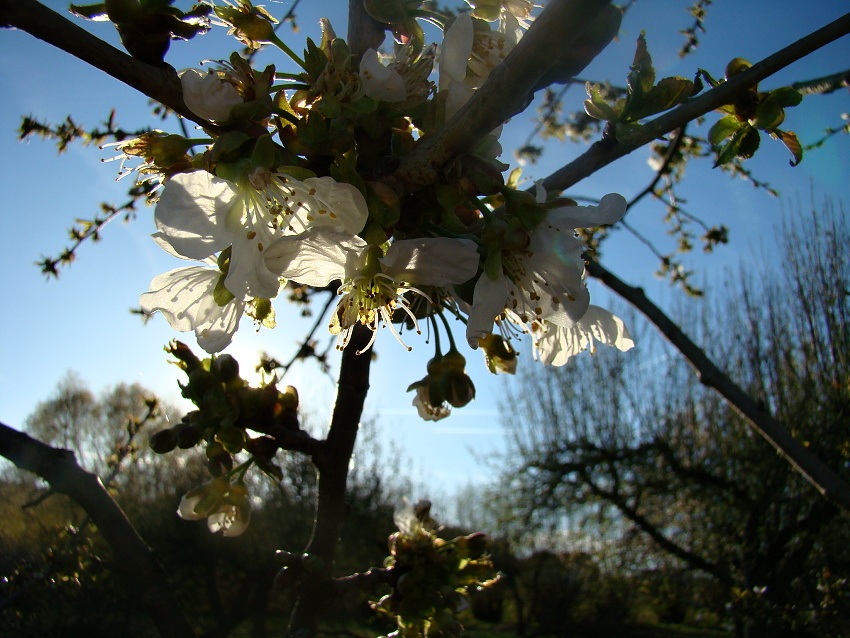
(373, 284)
(186, 298)
(555, 345)
(544, 279)
(207, 95)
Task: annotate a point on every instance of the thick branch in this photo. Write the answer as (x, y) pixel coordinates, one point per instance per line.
(827, 482)
(608, 149)
(364, 32)
(333, 463)
(504, 94)
(161, 84)
(133, 558)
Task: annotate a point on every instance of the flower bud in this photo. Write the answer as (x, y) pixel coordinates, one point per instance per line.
(188, 436)
(163, 441)
(252, 25)
(457, 388)
(225, 367)
(232, 438)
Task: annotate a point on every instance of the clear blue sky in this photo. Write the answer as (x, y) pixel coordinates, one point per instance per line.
(81, 321)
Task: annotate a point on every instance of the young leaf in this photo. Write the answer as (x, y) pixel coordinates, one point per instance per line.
(723, 129)
(789, 138)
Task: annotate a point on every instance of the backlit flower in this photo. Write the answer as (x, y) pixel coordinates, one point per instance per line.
(470, 51)
(542, 277)
(186, 297)
(225, 505)
(373, 283)
(199, 215)
(555, 345)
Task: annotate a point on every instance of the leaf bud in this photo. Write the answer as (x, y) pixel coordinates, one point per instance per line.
(187, 359)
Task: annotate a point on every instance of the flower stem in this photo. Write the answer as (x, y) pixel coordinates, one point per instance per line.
(282, 46)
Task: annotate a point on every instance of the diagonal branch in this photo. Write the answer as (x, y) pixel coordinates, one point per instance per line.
(506, 91)
(161, 84)
(609, 149)
(133, 558)
(826, 481)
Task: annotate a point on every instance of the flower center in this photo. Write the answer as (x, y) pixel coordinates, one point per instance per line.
(371, 301)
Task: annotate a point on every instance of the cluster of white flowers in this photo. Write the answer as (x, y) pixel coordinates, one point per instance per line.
(252, 235)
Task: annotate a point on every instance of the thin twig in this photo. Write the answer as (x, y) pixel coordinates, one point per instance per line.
(609, 149)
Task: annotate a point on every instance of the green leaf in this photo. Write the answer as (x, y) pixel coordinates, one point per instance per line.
(728, 151)
(597, 107)
(265, 153)
(669, 92)
(784, 97)
(723, 129)
(642, 75)
(749, 143)
(228, 143)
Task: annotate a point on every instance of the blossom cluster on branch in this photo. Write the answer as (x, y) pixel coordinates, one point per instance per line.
(292, 183)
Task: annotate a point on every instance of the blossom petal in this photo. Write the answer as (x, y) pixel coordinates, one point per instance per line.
(455, 51)
(488, 303)
(317, 257)
(191, 214)
(344, 204)
(248, 275)
(207, 95)
(557, 344)
(185, 298)
(610, 210)
(381, 82)
(437, 261)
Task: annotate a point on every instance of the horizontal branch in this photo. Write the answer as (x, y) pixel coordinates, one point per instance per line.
(159, 83)
(133, 558)
(609, 149)
(506, 91)
(826, 481)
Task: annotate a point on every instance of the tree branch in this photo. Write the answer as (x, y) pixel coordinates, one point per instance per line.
(333, 463)
(158, 83)
(133, 558)
(504, 94)
(827, 482)
(609, 149)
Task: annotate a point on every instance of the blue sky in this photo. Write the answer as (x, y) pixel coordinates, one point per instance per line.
(81, 321)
